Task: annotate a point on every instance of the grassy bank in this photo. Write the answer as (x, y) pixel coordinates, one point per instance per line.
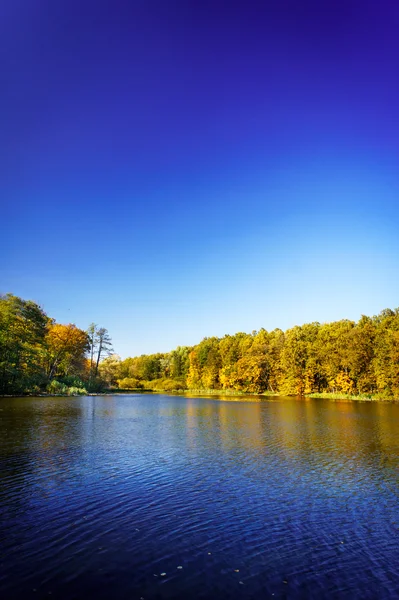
(208, 392)
(213, 392)
(359, 397)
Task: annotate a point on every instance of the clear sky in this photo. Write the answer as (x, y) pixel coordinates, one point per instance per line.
(179, 169)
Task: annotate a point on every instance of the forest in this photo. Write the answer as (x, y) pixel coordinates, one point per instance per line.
(343, 358)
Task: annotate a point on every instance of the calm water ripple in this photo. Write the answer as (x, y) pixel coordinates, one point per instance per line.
(162, 497)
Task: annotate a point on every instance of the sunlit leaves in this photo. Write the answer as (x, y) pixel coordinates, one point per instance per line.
(65, 348)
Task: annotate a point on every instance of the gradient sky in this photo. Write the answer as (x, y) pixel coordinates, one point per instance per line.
(178, 169)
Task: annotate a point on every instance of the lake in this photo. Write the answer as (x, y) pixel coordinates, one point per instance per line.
(168, 497)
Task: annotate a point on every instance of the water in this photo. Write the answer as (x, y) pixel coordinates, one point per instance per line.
(281, 498)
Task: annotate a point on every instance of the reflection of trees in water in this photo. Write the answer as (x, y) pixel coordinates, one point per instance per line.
(350, 435)
(17, 450)
(224, 424)
(339, 439)
(41, 444)
(50, 445)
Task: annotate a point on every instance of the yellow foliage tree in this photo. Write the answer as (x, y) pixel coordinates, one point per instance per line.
(65, 347)
(342, 383)
(194, 372)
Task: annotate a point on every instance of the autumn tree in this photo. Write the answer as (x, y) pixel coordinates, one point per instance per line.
(294, 358)
(386, 353)
(194, 372)
(65, 347)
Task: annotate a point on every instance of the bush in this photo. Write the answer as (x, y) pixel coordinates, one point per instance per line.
(75, 391)
(72, 381)
(166, 385)
(96, 386)
(56, 387)
(129, 383)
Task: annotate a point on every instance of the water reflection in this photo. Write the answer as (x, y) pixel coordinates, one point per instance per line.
(308, 431)
(98, 494)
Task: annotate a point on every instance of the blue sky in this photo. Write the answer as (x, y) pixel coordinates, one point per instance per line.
(178, 170)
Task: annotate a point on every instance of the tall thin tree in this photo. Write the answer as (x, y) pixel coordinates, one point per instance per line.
(104, 343)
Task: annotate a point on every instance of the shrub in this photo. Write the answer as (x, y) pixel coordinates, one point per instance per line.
(76, 391)
(56, 387)
(72, 381)
(166, 385)
(129, 383)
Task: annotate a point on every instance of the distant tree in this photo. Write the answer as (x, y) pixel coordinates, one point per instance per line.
(194, 372)
(104, 345)
(100, 346)
(110, 370)
(92, 333)
(146, 367)
(179, 362)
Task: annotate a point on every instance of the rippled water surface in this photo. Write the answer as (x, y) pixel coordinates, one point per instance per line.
(175, 497)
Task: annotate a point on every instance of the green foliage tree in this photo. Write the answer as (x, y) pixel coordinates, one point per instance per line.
(23, 327)
(110, 370)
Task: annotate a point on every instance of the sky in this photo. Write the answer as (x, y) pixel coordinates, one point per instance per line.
(181, 169)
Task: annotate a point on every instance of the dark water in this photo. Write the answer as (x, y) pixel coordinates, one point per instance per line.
(274, 499)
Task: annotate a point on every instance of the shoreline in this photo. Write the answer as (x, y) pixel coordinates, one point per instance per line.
(232, 393)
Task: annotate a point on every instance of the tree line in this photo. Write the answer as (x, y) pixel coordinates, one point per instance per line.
(39, 355)
(344, 358)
